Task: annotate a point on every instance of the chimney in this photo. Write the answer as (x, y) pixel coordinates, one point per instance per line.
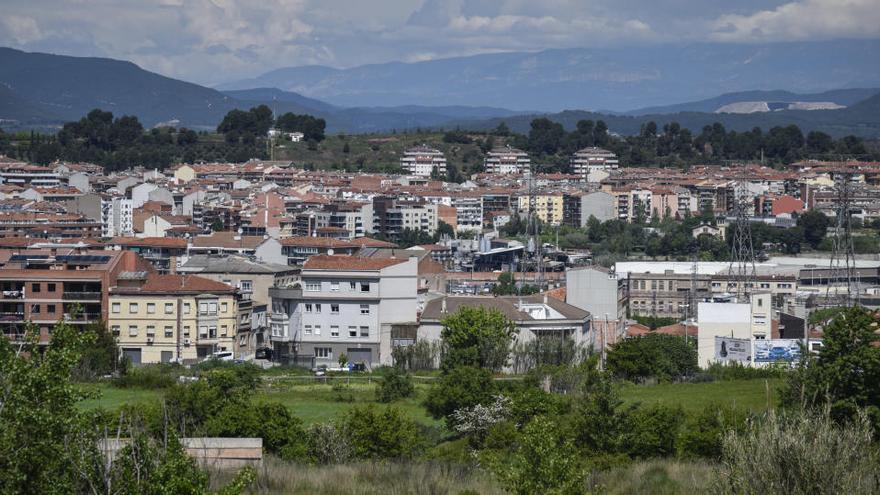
(443, 305)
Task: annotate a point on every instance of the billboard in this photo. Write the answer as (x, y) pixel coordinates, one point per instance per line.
(731, 349)
(777, 350)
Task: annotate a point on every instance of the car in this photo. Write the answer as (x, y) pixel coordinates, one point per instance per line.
(223, 356)
(320, 370)
(264, 353)
(779, 353)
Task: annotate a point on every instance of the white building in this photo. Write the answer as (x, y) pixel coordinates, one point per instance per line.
(345, 305)
(734, 320)
(587, 162)
(507, 160)
(117, 218)
(423, 161)
(468, 211)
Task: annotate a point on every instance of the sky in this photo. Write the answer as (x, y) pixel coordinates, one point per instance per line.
(215, 41)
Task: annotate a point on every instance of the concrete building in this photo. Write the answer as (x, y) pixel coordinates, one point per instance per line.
(468, 211)
(588, 161)
(423, 161)
(750, 321)
(391, 217)
(601, 293)
(117, 217)
(345, 305)
(507, 161)
(548, 208)
(172, 318)
(577, 208)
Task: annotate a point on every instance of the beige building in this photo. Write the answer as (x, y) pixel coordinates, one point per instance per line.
(549, 208)
(172, 318)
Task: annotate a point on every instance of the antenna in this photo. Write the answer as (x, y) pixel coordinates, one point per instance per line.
(842, 263)
(742, 253)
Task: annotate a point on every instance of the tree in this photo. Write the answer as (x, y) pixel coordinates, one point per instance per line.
(458, 388)
(311, 127)
(545, 136)
(653, 355)
(545, 461)
(478, 337)
(396, 384)
(382, 434)
(815, 225)
(845, 376)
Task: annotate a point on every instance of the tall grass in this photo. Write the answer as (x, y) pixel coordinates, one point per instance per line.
(800, 453)
(276, 477)
(655, 477)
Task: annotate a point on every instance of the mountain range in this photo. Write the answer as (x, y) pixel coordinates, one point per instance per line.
(44, 90)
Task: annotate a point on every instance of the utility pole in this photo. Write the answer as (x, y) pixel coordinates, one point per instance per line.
(742, 270)
(842, 263)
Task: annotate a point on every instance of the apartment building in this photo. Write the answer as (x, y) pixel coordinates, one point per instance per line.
(117, 217)
(345, 305)
(164, 253)
(468, 211)
(601, 293)
(507, 160)
(579, 206)
(423, 161)
(43, 287)
(587, 161)
(666, 294)
(24, 174)
(172, 318)
(391, 217)
(549, 208)
(48, 225)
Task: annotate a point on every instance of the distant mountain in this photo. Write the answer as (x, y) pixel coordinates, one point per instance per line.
(844, 97)
(277, 95)
(860, 119)
(620, 79)
(42, 86)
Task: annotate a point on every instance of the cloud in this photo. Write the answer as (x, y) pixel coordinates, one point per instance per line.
(810, 19)
(211, 41)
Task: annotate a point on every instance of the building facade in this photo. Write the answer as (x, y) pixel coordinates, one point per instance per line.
(423, 161)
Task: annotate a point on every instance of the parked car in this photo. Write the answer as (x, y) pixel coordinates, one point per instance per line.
(264, 353)
(320, 370)
(223, 356)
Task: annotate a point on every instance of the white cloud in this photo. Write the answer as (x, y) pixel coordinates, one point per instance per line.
(809, 19)
(21, 29)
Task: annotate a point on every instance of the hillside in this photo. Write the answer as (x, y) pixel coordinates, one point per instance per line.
(845, 97)
(618, 79)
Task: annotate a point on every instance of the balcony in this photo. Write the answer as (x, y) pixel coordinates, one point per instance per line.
(13, 294)
(81, 296)
(285, 293)
(82, 317)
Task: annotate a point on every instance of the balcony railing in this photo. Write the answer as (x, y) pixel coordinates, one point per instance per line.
(82, 317)
(81, 295)
(13, 294)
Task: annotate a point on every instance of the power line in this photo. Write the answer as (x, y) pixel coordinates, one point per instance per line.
(742, 270)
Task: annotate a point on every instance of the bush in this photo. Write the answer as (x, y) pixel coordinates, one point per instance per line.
(150, 377)
(383, 434)
(460, 387)
(801, 453)
(395, 385)
(327, 445)
(654, 355)
(703, 432)
(736, 371)
(652, 431)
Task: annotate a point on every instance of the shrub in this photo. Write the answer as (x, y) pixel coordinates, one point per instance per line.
(478, 337)
(395, 385)
(381, 434)
(150, 377)
(653, 355)
(652, 431)
(800, 453)
(736, 371)
(327, 445)
(703, 431)
(459, 388)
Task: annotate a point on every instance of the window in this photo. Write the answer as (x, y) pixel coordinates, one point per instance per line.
(334, 309)
(308, 307)
(224, 307)
(203, 307)
(365, 287)
(334, 286)
(50, 308)
(365, 331)
(307, 329)
(132, 331)
(765, 285)
(203, 332)
(212, 308)
(35, 309)
(317, 308)
(50, 287)
(151, 330)
(334, 331)
(212, 332)
(313, 286)
(365, 309)
(151, 308)
(186, 308)
(115, 330)
(352, 285)
(760, 302)
(247, 286)
(133, 307)
(169, 308)
(224, 329)
(186, 331)
(35, 287)
(323, 352)
(169, 332)
(317, 329)
(116, 307)
(352, 331)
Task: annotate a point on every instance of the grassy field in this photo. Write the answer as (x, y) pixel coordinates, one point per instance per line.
(755, 395)
(321, 402)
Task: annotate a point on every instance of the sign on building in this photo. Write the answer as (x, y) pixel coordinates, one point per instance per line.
(731, 349)
(777, 350)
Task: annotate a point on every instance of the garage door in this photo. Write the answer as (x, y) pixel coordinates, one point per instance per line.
(132, 354)
(357, 355)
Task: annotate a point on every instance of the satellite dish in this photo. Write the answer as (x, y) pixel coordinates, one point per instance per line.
(330, 251)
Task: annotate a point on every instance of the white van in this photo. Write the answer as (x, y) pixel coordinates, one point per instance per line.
(222, 356)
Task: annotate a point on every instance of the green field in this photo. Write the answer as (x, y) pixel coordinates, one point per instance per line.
(320, 402)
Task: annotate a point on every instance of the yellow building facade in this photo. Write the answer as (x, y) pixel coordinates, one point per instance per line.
(173, 318)
(548, 207)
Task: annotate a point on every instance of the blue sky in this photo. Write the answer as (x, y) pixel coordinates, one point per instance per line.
(212, 41)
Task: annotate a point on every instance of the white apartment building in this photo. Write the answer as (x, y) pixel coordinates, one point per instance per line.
(117, 218)
(747, 321)
(587, 161)
(344, 305)
(468, 211)
(422, 161)
(507, 160)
